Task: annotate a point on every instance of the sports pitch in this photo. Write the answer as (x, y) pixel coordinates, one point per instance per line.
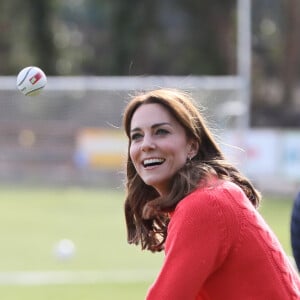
(103, 266)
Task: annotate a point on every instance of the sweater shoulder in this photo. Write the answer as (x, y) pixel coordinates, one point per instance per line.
(209, 209)
(219, 193)
(220, 203)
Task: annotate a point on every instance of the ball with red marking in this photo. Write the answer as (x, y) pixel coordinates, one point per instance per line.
(31, 81)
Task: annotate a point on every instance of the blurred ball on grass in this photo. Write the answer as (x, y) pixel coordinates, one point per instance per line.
(64, 250)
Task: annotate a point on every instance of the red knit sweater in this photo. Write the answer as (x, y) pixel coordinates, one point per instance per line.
(219, 248)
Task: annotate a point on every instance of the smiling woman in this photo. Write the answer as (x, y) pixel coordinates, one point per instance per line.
(159, 146)
(184, 197)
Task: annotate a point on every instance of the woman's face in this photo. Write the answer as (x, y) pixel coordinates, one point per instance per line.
(159, 146)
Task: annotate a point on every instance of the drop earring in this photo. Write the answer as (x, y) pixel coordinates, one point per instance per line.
(188, 161)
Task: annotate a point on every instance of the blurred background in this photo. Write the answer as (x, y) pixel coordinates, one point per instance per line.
(86, 37)
(239, 59)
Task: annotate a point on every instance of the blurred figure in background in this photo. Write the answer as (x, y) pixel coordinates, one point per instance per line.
(295, 230)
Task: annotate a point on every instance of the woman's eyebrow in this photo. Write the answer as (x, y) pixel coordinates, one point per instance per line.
(152, 127)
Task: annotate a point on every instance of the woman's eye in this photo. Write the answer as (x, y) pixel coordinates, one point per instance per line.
(162, 131)
(136, 136)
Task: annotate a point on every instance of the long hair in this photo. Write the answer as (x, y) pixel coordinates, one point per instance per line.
(146, 212)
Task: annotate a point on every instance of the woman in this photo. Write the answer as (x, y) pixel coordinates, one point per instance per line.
(183, 197)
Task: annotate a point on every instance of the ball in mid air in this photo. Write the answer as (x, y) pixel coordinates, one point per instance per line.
(31, 81)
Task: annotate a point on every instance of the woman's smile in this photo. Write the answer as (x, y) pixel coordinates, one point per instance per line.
(152, 162)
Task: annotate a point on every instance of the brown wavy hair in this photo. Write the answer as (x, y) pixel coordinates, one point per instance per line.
(146, 212)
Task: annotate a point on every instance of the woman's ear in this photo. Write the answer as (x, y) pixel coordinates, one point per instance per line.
(193, 148)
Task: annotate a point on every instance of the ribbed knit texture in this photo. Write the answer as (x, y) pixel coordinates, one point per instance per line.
(220, 248)
(295, 230)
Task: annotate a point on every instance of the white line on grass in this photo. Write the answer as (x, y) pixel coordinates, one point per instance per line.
(75, 277)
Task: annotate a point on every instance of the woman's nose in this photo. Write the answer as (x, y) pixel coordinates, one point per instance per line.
(147, 144)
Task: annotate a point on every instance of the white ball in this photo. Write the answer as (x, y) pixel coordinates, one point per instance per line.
(64, 249)
(31, 81)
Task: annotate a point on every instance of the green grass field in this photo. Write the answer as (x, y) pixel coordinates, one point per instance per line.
(32, 221)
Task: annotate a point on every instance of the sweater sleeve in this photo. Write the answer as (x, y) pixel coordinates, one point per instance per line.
(199, 237)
